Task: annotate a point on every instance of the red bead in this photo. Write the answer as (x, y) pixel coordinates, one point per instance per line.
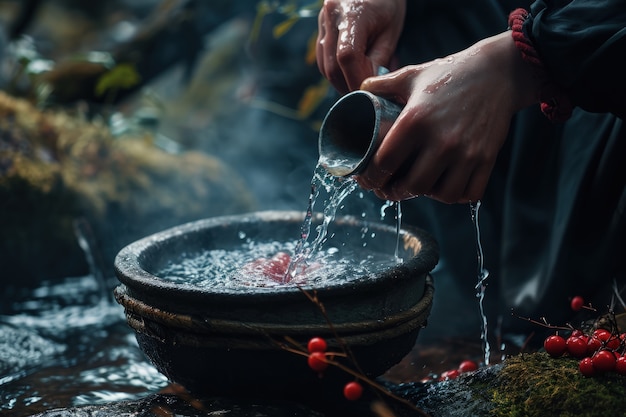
(586, 368)
(603, 361)
(317, 361)
(554, 345)
(317, 344)
(602, 334)
(608, 339)
(620, 365)
(593, 345)
(577, 303)
(352, 391)
(468, 366)
(576, 346)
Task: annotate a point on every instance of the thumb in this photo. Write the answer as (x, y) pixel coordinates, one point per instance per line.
(394, 85)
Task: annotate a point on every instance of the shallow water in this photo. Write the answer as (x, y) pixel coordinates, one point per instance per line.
(67, 344)
(234, 269)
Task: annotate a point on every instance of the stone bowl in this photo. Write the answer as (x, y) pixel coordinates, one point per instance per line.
(226, 342)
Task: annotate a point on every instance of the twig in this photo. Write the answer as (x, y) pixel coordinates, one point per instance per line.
(543, 323)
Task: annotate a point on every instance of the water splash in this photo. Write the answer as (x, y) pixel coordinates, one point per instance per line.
(338, 188)
(481, 285)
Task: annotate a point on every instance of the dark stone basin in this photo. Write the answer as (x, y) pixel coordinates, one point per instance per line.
(231, 343)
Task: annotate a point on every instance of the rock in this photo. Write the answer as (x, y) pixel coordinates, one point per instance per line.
(173, 405)
(525, 385)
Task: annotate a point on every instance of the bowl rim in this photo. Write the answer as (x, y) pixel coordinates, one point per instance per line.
(139, 281)
(199, 324)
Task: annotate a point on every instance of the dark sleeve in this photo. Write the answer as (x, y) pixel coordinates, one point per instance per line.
(582, 44)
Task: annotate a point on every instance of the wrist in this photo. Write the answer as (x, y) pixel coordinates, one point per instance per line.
(523, 83)
(555, 103)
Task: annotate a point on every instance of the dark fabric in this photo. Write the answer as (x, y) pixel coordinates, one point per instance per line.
(583, 45)
(552, 221)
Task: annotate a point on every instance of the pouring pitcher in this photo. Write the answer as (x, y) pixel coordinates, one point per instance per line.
(352, 131)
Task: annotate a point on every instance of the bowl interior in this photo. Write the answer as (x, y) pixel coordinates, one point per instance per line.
(138, 264)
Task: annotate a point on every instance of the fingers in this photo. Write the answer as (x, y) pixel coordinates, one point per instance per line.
(353, 41)
(395, 86)
(326, 49)
(450, 186)
(415, 159)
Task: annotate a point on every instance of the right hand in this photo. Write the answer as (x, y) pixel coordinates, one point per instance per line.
(356, 37)
(455, 119)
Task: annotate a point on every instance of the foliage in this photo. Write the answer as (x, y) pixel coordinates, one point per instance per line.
(122, 76)
(292, 12)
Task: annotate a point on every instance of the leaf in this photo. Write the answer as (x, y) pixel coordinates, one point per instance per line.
(311, 50)
(283, 27)
(312, 97)
(122, 76)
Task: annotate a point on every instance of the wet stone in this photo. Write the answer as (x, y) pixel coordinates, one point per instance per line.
(22, 350)
(174, 405)
(468, 395)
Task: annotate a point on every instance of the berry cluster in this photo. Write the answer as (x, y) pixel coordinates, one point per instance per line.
(318, 362)
(599, 352)
(465, 366)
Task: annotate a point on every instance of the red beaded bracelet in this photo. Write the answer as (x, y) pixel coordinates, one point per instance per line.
(555, 104)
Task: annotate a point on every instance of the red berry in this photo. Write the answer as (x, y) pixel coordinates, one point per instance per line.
(620, 365)
(602, 334)
(585, 367)
(468, 366)
(451, 374)
(577, 303)
(317, 361)
(352, 391)
(317, 344)
(613, 343)
(603, 361)
(608, 339)
(577, 333)
(576, 346)
(554, 345)
(276, 267)
(593, 345)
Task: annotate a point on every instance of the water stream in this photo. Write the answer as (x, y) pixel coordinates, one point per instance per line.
(337, 190)
(481, 284)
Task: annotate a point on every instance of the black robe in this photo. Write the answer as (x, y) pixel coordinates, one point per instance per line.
(552, 220)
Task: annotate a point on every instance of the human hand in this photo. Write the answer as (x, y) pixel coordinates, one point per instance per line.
(356, 37)
(456, 117)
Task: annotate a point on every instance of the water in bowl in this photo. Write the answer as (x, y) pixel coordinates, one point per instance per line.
(264, 264)
(309, 260)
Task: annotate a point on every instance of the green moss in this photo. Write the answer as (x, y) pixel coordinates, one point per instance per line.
(538, 385)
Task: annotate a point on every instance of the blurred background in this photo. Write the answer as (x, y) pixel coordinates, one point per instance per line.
(133, 116)
(119, 119)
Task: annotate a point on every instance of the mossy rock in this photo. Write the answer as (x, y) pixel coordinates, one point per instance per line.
(57, 169)
(526, 385)
(538, 385)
